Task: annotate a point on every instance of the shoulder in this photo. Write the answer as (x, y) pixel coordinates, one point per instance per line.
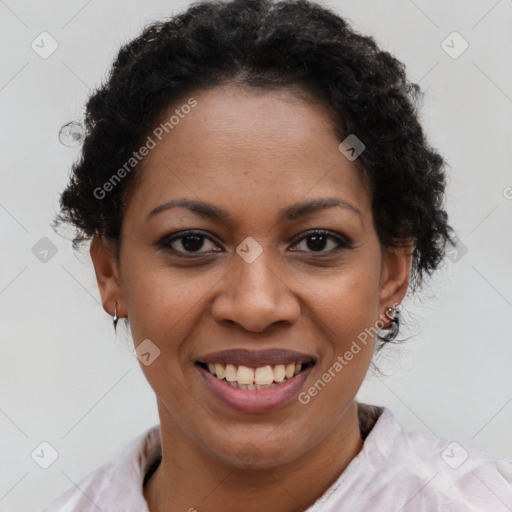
(116, 485)
(411, 471)
(438, 471)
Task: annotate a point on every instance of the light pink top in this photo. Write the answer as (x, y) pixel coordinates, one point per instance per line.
(396, 470)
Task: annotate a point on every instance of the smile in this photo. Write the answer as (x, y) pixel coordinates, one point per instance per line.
(263, 377)
(255, 382)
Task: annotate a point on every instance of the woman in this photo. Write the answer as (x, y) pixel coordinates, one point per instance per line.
(260, 197)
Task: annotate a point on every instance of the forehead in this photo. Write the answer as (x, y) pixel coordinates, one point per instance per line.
(238, 146)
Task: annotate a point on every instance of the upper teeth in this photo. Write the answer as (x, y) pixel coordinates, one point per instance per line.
(259, 376)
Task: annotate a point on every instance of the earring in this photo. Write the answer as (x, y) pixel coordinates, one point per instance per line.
(116, 318)
(393, 313)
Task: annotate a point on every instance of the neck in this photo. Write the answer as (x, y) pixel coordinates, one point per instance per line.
(188, 479)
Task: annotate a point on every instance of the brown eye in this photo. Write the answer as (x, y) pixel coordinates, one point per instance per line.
(187, 242)
(318, 240)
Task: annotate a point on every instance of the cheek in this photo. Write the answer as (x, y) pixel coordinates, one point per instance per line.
(345, 319)
(349, 328)
(344, 301)
(347, 310)
(163, 308)
(344, 311)
(164, 303)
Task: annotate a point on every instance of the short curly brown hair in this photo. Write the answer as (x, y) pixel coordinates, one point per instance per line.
(267, 44)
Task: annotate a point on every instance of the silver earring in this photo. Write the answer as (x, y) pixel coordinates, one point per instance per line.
(116, 318)
(393, 313)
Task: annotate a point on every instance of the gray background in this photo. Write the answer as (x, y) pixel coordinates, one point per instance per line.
(65, 380)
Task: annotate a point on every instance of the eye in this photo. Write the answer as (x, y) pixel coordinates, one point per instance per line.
(187, 243)
(316, 240)
(190, 241)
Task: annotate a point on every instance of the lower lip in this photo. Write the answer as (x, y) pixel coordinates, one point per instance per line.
(254, 400)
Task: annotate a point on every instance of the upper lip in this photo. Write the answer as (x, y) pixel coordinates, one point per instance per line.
(255, 359)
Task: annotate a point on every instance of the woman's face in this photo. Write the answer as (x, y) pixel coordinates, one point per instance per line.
(251, 283)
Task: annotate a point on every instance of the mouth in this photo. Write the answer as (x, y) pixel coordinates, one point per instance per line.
(249, 378)
(255, 382)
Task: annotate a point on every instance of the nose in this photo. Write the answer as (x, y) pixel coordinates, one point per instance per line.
(255, 295)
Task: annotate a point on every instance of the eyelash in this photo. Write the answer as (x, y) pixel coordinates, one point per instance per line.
(165, 242)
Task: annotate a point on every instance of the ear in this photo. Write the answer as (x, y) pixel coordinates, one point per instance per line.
(103, 255)
(395, 274)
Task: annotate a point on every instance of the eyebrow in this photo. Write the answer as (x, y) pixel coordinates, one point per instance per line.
(291, 212)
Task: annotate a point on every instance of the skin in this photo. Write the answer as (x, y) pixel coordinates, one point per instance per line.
(239, 149)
